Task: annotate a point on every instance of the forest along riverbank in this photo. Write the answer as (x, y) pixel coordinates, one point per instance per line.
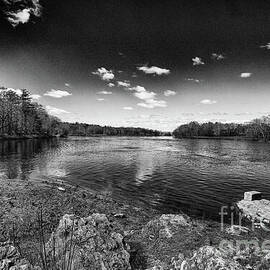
(25, 137)
(144, 238)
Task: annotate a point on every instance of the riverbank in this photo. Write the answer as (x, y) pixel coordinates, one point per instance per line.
(153, 239)
(229, 138)
(25, 137)
(29, 137)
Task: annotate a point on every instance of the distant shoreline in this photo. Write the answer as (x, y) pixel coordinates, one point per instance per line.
(29, 137)
(229, 138)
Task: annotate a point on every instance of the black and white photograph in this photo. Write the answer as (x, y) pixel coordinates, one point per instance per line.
(134, 135)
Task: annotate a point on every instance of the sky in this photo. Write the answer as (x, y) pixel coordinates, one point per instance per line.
(145, 63)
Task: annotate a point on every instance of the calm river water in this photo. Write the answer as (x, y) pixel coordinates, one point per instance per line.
(195, 176)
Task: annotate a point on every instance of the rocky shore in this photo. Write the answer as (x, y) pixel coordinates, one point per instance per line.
(51, 225)
(255, 208)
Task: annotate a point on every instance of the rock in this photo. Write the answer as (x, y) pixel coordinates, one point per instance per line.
(61, 188)
(252, 195)
(237, 230)
(10, 258)
(205, 258)
(23, 265)
(179, 262)
(258, 210)
(157, 265)
(128, 233)
(178, 220)
(7, 251)
(165, 226)
(210, 258)
(88, 243)
(119, 215)
(267, 257)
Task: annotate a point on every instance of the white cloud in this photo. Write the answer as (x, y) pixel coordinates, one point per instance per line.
(193, 80)
(217, 56)
(67, 84)
(197, 61)
(267, 46)
(245, 75)
(168, 93)
(128, 108)
(104, 92)
(16, 91)
(138, 88)
(145, 95)
(55, 111)
(22, 15)
(124, 84)
(35, 96)
(208, 101)
(57, 93)
(154, 70)
(148, 97)
(104, 74)
(153, 103)
(100, 99)
(111, 84)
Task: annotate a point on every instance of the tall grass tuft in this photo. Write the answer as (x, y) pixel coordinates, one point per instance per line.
(57, 259)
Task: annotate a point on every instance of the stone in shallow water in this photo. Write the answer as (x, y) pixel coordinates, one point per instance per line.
(252, 195)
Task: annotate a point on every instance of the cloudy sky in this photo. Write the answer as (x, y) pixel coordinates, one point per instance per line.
(148, 63)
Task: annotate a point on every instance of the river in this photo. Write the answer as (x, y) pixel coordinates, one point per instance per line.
(171, 175)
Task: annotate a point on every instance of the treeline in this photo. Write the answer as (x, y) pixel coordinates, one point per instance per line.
(80, 129)
(21, 116)
(257, 129)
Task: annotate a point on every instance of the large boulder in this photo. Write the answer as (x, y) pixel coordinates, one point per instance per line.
(87, 243)
(205, 258)
(257, 210)
(252, 195)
